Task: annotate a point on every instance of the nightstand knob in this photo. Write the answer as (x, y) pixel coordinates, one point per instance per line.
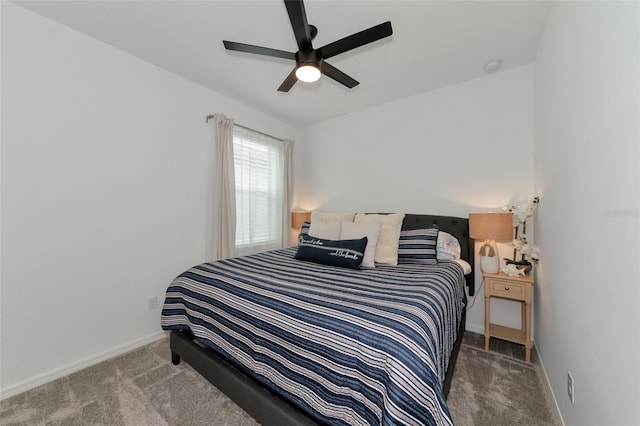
(506, 287)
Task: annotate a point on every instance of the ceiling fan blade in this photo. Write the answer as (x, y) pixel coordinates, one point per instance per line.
(334, 73)
(356, 40)
(249, 48)
(298, 18)
(288, 82)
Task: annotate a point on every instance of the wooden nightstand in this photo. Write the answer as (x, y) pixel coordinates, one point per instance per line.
(514, 288)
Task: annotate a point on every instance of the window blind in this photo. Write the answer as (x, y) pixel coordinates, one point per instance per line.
(258, 161)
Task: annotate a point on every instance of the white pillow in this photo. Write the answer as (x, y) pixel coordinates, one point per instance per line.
(387, 247)
(325, 230)
(330, 217)
(371, 230)
(465, 266)
(448, 247)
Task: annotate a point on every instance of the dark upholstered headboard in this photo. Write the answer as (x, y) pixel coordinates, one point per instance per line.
(456, 226)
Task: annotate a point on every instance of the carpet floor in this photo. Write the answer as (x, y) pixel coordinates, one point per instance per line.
(142, 387)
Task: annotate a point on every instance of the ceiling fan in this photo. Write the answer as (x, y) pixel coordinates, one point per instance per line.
(310, 62)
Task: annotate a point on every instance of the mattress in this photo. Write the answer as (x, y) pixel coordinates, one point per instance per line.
(347, 347)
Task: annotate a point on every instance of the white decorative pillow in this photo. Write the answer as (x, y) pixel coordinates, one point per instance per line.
(331, 217)
(371, 230)
(465, 266)
(387, 247)
(448, 246)
(325, 230)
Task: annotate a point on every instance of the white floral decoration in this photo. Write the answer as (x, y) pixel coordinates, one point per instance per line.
(518, 244)
(522, 209)
(532, 251)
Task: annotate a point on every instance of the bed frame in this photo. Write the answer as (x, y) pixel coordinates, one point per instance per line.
(269, 409)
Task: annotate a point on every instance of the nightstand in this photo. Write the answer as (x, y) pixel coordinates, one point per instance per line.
(514, 288)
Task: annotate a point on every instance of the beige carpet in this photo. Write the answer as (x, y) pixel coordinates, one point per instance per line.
(495, 389)
(144, 388)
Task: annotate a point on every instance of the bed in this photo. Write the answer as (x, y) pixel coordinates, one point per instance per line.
(294, 342)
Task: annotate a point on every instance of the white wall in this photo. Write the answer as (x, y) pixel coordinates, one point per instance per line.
(104, 169)
(587, 159)
(463, 148)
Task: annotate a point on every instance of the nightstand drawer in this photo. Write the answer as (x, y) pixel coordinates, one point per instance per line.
(508, 289)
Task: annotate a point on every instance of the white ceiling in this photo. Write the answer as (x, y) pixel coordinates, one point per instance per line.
(434, 44)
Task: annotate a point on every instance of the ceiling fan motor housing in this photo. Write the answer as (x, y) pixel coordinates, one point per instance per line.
(308, 57)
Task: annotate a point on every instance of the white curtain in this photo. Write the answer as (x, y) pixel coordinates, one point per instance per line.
(223, 235)
(287, 191)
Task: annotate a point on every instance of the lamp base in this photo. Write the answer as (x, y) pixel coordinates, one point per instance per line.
(490, 264)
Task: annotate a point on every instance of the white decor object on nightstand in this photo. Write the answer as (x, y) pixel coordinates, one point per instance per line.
(512, 270)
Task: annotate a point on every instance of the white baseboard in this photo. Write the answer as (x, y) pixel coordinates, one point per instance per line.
(474, 328)
(547, 383)
(57, 373)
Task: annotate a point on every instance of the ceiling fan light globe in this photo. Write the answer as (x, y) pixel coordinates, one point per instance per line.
(308, 73)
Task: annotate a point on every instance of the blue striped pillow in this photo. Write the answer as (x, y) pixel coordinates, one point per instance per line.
(304, 230)
(344, 253)
(418, 245)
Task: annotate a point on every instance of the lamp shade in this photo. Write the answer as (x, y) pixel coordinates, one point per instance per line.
(298, 218)
(491, 226)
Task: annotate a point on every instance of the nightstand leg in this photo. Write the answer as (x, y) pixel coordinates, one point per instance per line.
(527, 325)
(487, 317)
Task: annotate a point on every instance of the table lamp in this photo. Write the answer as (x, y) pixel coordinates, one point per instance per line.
(298, 218)
(490, 227)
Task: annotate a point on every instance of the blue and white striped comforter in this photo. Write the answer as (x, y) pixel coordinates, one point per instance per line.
(347, 347)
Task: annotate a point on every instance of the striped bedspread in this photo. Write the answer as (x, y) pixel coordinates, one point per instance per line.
(347, 347)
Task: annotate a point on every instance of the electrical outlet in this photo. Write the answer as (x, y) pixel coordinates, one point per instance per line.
(570, 389)
(152, 303)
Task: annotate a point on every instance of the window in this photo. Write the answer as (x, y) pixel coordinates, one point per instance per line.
(258, 161)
